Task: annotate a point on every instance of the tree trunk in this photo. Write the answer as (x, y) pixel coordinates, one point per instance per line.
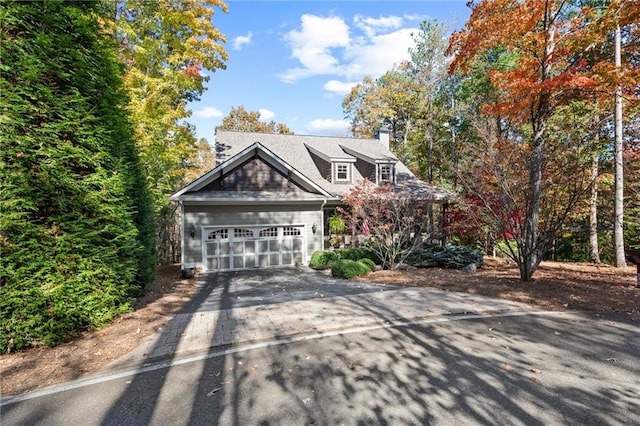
(532, 249)
(531, 255)
(618, 232)
(594, 250)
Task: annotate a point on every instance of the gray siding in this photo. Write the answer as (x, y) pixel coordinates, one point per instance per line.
(201, 216)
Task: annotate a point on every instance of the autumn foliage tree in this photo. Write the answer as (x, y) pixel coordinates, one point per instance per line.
(391, 221)
(241, 120)
(546, 38)
(167, 48)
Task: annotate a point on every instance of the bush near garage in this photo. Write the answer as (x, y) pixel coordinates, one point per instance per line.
(359, 253)
(323, 259)
(450, 257)
(370, 263)
(346, 268)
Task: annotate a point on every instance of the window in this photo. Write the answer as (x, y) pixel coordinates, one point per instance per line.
(385, 173)
(342, 172)
(220, 234)
(269, 232)
(289, 231)
(242, 233)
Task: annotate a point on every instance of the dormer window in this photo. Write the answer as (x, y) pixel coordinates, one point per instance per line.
(342, 172)
(385, 173)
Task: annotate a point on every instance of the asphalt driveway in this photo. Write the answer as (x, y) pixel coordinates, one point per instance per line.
(295, 346)
(232, 308)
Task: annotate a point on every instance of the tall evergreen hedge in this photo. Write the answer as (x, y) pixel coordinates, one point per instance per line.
(76, 229)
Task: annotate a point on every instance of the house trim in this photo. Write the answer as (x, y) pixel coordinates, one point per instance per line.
(346, 159)
(372, 160)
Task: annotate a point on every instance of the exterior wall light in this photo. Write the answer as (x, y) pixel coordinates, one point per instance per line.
(192, 232)
(314, 228)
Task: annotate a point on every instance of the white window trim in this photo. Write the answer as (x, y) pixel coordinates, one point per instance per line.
(391, 173)
(337, 166)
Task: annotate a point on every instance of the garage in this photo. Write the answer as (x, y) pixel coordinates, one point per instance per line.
(237, 247)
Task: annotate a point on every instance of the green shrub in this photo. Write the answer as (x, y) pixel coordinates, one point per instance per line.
(358, 253)
(322, 259)
(345, 268)
(77, 222)
(370, 263)
(451, 257)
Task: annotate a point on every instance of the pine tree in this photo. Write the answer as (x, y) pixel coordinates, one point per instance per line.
(76, 235)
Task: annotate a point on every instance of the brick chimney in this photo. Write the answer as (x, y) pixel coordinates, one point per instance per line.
(383, 136)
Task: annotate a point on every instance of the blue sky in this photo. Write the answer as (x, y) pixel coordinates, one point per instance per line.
(294, 61)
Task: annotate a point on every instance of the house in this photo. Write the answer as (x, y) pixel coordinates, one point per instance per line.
(267, 202)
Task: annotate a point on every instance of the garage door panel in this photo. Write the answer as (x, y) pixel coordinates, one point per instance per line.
(212, 263)
(223, 248)
(251, 247)
(224, 263)
(212, 248)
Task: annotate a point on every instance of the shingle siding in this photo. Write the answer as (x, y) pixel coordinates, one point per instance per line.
(253, 175)
(324, 167)
(367, 170)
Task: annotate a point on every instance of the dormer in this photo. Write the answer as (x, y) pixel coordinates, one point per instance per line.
(334, 164)
(376, 166)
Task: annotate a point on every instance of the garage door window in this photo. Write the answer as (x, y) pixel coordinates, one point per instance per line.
(220, 234)
(289, 231)
(242, 233)
(269, 232)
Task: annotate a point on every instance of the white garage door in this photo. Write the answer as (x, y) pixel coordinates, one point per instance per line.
(252, 247)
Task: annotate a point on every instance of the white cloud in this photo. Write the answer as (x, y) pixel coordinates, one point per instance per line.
(372, 26)
(312, 45)
(240, 41)
(329, 46)
(380, 53)
(265, 114)
(329, 126)
(339, 87)
(208, 112)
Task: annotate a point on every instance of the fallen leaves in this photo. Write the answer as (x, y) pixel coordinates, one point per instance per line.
(535, 371)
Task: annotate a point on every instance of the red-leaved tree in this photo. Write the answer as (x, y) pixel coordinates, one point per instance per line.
(547, 40)
(391, 221)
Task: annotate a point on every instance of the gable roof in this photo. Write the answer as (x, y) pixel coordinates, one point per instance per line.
(299, 150)
(192, 190)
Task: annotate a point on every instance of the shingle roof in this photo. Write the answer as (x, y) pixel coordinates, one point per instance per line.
(295, 150)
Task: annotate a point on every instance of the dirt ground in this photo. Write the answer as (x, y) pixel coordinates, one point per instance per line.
(556, 286)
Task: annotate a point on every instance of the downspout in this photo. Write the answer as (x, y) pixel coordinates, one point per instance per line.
(182, 232)
(324, 202)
